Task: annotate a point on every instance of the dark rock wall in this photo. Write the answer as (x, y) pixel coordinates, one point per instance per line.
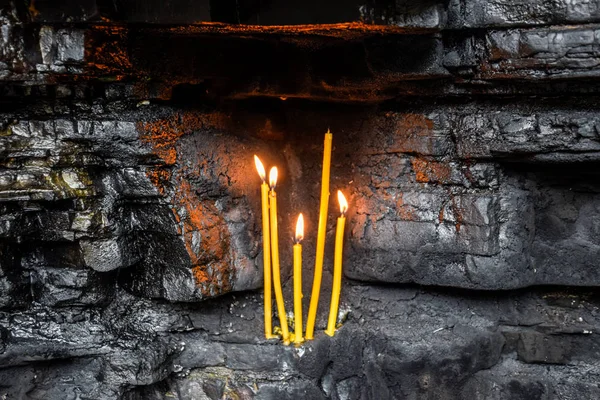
(466, 136)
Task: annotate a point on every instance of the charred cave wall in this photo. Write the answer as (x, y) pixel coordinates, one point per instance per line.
(466, 136)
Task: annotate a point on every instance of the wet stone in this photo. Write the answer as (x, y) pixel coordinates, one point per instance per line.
(466, 139)
(200, 353)
(538, 348)
(69, 46)
(102, 255)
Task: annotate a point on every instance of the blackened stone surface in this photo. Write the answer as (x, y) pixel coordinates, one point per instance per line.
(472, 13)
(429, 13)
(350, 62)
(473, 195)
(119, 224)
(129, 208)
(396, 342)
(94, 201)
(275, 12)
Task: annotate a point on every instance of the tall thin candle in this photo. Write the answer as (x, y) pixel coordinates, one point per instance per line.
(285, 334)
(264, 196)
(321, 231)
(298, 281)
(337, 266)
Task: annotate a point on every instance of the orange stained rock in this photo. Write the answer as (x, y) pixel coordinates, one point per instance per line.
(200, 275)
(406, 212)
(163, 134)
(457, 211)
(210, 280)
(33, 12)
(200, 224)
(201, 215)
(414, 125)
(105, 49)
(159, 176)
(429, 171)
(345, 30)
(413, 133)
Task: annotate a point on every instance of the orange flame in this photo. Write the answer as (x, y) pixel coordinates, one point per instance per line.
(260, 168)
(300, 228)
(273, 177)
(343, 202)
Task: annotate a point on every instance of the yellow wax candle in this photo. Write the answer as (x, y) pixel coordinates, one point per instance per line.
(337, 266)
(264, 195)
(285, 334)
(321, 231)
(298, 281)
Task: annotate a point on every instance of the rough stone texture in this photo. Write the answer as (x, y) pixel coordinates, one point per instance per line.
(447, 206)
(161, 204)
(90, 190)
(130, 247)
(396, 342)
(506, 13)
(438, 14)
(431, 48)
(433, 200)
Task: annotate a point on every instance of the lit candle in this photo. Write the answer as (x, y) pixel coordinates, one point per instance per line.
(298, 281)
(321, 230)
(285, 334)
(337, 266)
(264, 195)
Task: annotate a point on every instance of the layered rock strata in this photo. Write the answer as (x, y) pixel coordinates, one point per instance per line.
(466, 137)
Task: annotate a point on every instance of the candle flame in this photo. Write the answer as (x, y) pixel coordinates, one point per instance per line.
(273, 177)
(260, 168)
(300, 228)
(343, 202)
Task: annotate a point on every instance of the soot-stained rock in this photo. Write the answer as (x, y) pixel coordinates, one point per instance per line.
(118, 214)
(446, 195)
(399, 343)
(449, 220)
(126, 222)
(396, 342)
(200, 352)
(512, 380)
(543, 349)
(424, 14)
(520, 41)
(499, 13)
(564, 51)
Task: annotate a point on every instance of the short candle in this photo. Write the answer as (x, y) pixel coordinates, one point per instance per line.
(337, 266)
